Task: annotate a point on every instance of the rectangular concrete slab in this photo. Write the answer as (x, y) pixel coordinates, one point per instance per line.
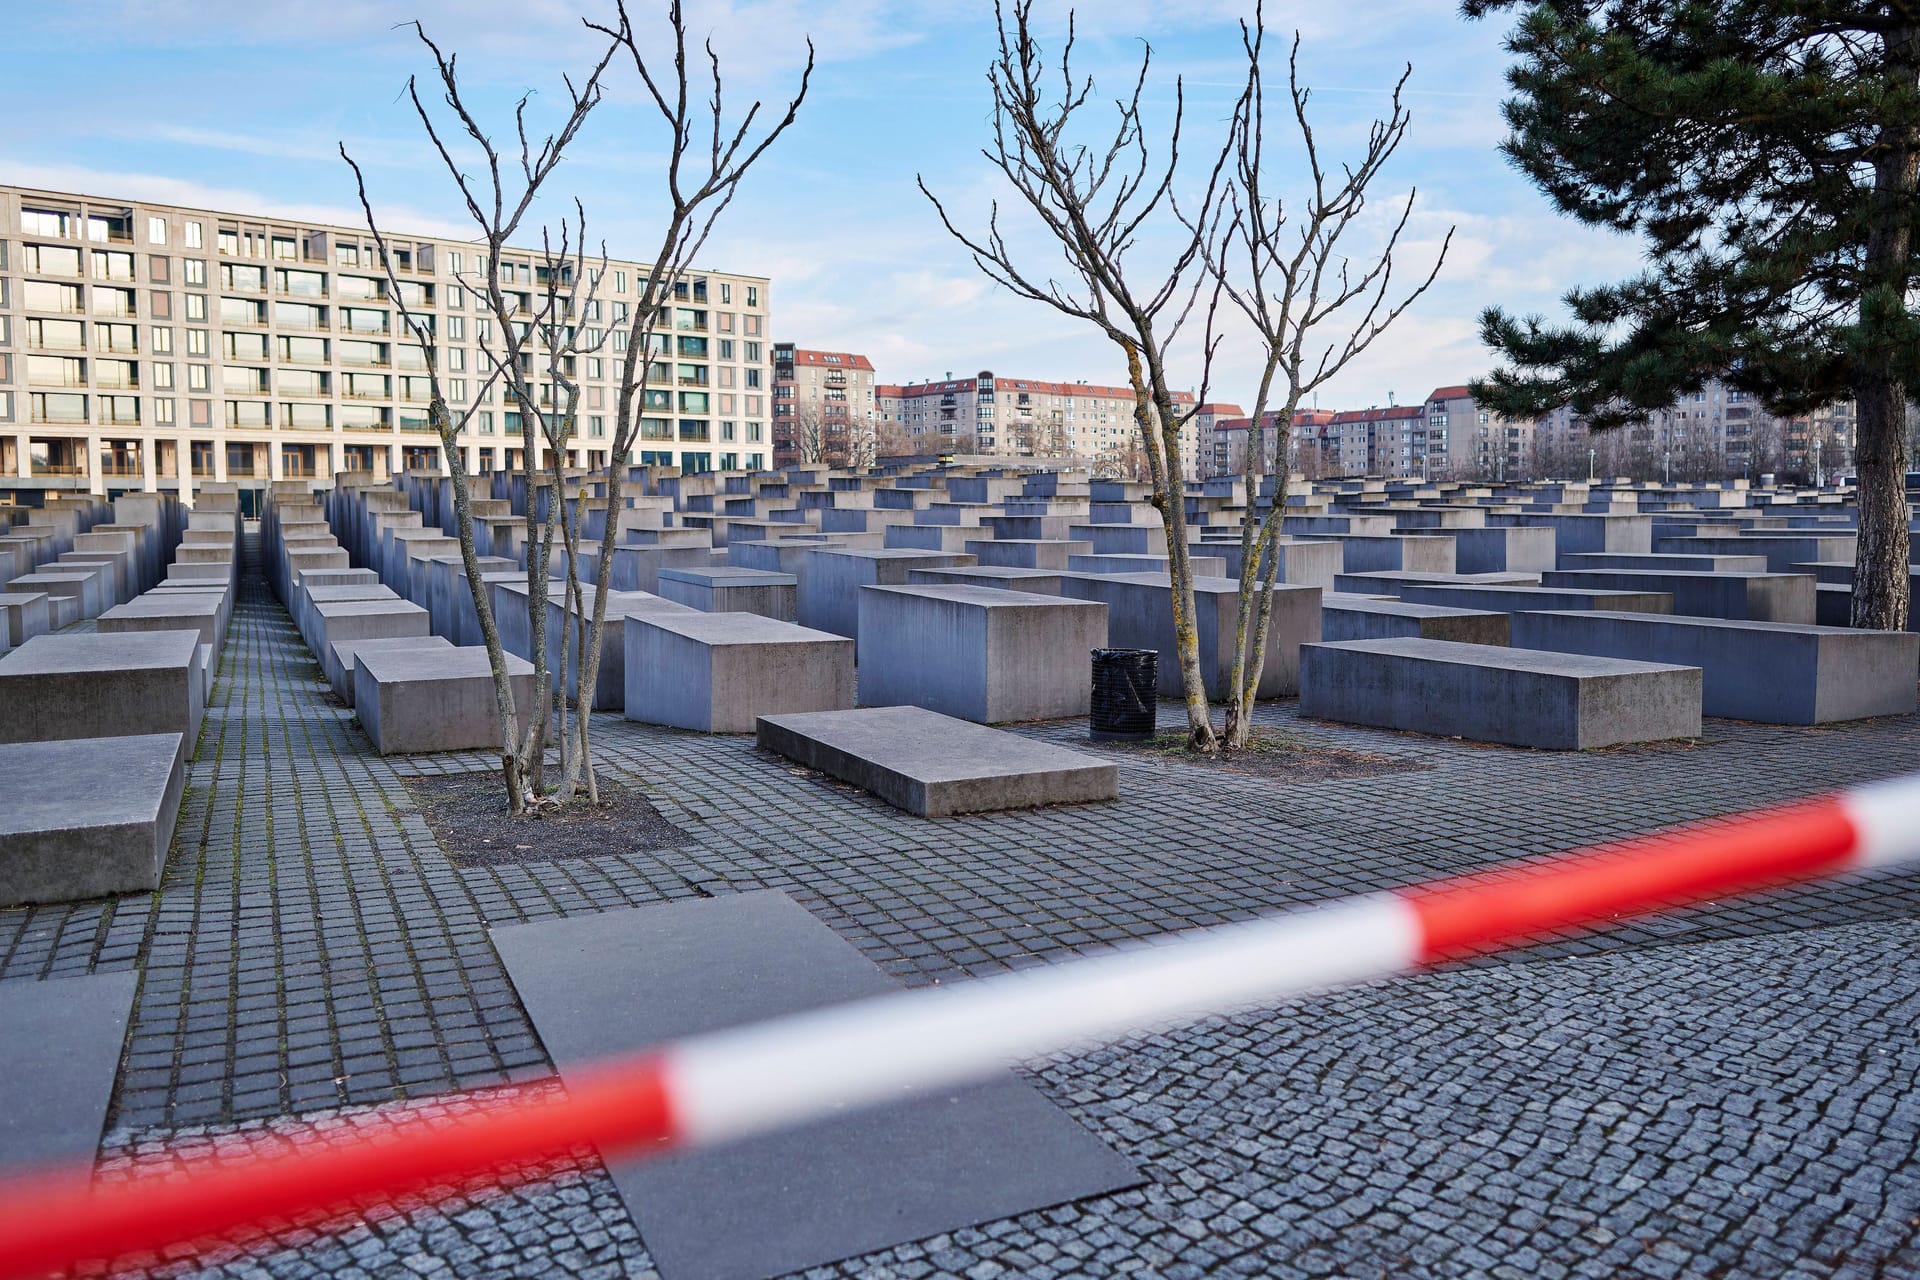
(934, 765)
(930, 1163)
(59, 1057)
(102, 686)
(412, 699)
(1522, 697)
(718, 672)
(1771, 672)
(979, 653)
(86, 817)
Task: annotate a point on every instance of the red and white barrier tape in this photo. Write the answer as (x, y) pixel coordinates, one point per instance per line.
(731, 1084)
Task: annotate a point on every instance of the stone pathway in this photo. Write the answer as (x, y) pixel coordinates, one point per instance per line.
(1723, 1091)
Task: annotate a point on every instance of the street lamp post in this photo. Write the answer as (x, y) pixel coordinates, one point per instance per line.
(1817, 481)
(1590, 456)
(1669, 467)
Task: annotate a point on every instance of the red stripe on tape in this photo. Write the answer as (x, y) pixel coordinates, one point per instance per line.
(623, 1107)
(1458, 917)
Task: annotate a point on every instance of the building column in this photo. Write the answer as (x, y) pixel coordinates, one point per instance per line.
(396, 459)
(276, 461)
(96, 474)
(23, 455)
(183, 451)
(219, 458)
(149, 464)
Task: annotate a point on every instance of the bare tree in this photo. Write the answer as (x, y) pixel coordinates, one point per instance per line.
(498, 203)
(810, 434)
(1094, 200)
(892, 440)
(1316, 301)
(863, 442)
(707, 157)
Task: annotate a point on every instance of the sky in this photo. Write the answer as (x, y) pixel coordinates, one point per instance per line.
(242, 106)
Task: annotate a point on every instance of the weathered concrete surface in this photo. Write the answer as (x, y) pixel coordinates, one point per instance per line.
(730, 589)
(1140, 616)
(717, 672)
(102, 686)
(978, 653)
(1757, 597)
(935, 766)
(412, 700)
(344, 654)
(1526, 599)
(1522, 697)
(831, 579)
(1775, 673)
(85, 818)
(1353, 617)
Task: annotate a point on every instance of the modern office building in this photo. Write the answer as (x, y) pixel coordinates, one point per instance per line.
(831, 392)
(151, 347)
(1025, 417)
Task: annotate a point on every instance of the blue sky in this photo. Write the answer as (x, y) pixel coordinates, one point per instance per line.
(241, 105)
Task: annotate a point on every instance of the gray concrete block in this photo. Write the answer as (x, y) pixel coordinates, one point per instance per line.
(87, 817)
(411, 700)
(1043, 582)
(361, 620)
(23, 615)
(1521, 697)
(729, 589)
(1669, 560)
(102, 686)
(1025, 553)
(1201, 566)
(85, 587)
(1760, 597)
(717, 672)
(1775, 673)
(1409, 552)
(1503, 550)
(1351, 617)
(1525, 599)
(935, 766)
(344, 653)
(831, 578)
(1140, 616)
(978, 653)
(203, 615)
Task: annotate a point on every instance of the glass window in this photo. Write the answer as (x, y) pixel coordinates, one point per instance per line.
(197, 344)
(753, 296)
(196, 270)
(162, 341)
(229, 241)
(197, 306)
(194, 234)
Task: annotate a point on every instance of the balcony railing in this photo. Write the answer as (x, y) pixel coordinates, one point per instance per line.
(64, 469)
(60, 418)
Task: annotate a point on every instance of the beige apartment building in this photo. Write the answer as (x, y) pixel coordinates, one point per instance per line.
(1025, 417)
(828, 392)
(1717, 432)
(152, 347)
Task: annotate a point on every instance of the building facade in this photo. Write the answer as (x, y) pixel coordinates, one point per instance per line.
(149, 347)
(1466, 441)
(1232, 437)
(822, 399)
(1717, 432)
(1026, 417)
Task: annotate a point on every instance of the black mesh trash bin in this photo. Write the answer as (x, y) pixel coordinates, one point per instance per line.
(1125, 694)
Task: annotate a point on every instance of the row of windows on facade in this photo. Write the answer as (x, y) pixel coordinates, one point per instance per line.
(686, 325)
(79, 409)
(123, 339)
(235, 242)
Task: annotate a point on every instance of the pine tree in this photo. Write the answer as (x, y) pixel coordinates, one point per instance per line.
(1766, 152)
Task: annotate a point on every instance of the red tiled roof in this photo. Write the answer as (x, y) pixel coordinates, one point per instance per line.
(1450, 393)
(840, 360)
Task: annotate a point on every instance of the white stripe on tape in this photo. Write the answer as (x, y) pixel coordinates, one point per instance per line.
(732, 1083)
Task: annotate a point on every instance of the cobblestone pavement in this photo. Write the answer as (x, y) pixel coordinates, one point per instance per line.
(1726, 1091)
